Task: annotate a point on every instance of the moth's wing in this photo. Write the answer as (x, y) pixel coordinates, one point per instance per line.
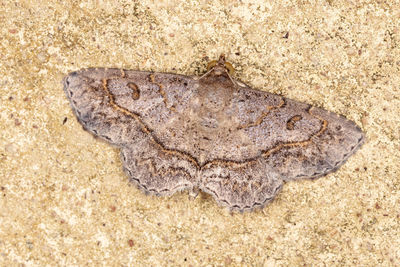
(241, 186)
(117, 105)
(295, 139)
(323, 151)
(92, 105)
(157, 171)
(124, 108)
(286, 140)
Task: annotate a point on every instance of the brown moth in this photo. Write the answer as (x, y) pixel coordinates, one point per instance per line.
(212, 133)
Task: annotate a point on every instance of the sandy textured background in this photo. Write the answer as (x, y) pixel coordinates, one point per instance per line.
(65, 199)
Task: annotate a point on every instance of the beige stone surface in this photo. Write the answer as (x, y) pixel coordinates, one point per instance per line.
(64, 199)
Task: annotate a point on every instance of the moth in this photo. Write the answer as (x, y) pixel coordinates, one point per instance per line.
(210, 133)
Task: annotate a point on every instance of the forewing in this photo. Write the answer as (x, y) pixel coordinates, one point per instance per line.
(326, 150)
(295, 139)
(124, 107)
(112, 103)
(94, 108)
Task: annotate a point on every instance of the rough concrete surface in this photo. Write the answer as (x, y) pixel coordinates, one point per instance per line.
(65, 199)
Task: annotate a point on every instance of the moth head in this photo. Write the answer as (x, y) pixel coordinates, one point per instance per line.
(220, 66)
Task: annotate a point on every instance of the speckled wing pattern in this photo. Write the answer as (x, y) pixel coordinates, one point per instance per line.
(210, 133)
